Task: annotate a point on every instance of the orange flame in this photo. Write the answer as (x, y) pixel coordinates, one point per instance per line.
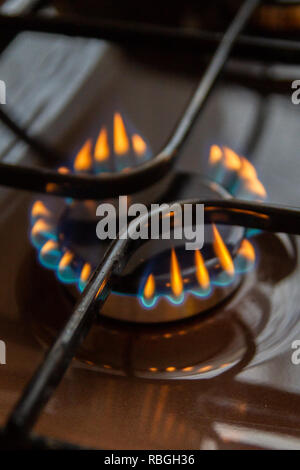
(171, 369)
(39, 209)
(215, 155)
(50, 245)
(84, 159)
(246, 250)
(231, 159)
(222, 252)
(201, 271)
(121, 142)
(247, 170)
(51, 187)
(149, 288)
(248, 173)
(85, 272)
(66, 260)
(176, 279)
(63, 170)
(138, 144)
(40, 226)
(102, 147)
(256, 187)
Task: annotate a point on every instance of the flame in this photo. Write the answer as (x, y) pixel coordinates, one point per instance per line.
(84, 159)
(94, 154)
(149, 288)
(138, 144)
(40, 226)
(63, 170)
(248, 173)
(102, 148)
(222, 252)
(40, 210)
(231, 159)
(176, 279)
(215, 155)
(49, 246)
(246, 250)
(247, 170)
(66, 260)
(51, 187)
(256, 187)
(101, 288)
(121, 142)
(85, 272)
(201, 271)
(50, 254)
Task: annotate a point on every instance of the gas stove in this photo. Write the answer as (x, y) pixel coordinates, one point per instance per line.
(149, 345)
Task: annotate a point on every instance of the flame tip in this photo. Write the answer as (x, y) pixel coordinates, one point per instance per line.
(84, 159)
(149, 288)
(102, 152)
(201, 271)
(222, 252)
(176, 278)
(121, 142)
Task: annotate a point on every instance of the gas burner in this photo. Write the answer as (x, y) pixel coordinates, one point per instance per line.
(202, 347)
(115, 151)
(162, 281)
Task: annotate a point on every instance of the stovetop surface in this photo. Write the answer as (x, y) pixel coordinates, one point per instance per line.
(252, 407)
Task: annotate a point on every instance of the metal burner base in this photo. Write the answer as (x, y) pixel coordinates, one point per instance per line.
(130, 308)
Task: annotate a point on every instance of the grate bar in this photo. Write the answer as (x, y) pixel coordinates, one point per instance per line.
(141, 35)
(60, 355)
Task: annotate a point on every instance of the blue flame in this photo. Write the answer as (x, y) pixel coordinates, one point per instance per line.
(67, 274)
(202, 293)
(148, 303)
(176, 300)
(50, 259)
(71, 273)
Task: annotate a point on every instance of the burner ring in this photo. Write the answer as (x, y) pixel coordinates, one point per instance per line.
(201, 347)
(74, 237)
